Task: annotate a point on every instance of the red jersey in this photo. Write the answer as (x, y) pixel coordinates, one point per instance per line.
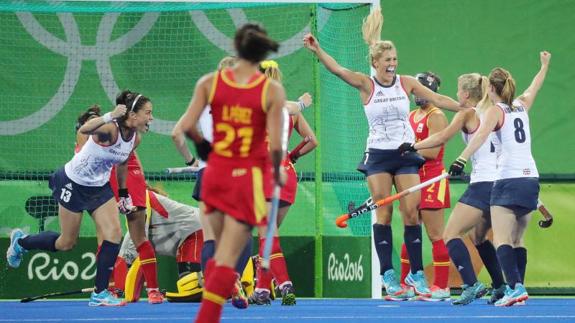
(238, 166)
(239, 117)
(421, 130)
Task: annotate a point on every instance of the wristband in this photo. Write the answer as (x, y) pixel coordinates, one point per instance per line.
(191, 162)
(301, 106)
(107, 117)
(123, 192)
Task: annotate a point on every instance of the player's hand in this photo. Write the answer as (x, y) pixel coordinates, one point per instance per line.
(545, 57)
(119, 111)
(203, 149)
(125, 204)
(306, 100)
(456, 168)
(405, 148)
(311, 43)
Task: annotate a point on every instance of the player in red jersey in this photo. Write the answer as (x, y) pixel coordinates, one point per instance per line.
(425, 121)
(246, 105)
(261, 295)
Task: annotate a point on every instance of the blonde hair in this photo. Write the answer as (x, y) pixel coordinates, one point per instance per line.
(476, 85)
(227, 61)
(371, 30)
(504, 85)
(271, 69)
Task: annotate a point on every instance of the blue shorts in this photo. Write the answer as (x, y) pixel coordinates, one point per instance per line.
(76, 197)
(518, 194)
(478, 195)
(377, 161)
(198, 187)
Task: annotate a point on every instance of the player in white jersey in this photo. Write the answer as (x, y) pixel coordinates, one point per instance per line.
(472, 212)
(516, 188)
(83, 185)
(386, 103)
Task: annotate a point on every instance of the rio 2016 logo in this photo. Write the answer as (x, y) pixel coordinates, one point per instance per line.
(43, 267)
(105, 48)
(344, 270)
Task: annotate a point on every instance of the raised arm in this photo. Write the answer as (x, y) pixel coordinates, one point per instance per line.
(93, 125)
(530, 93)
(302, 103)
(357, 80)
(414, 87)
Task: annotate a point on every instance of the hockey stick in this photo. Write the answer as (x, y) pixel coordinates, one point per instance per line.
(299, 147)
(272, 218)
(547, 217)
(369, 205)
(179, 170)
(56, 294)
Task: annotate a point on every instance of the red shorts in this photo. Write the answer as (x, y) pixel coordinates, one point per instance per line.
(289, 190)
(135, 182)
(436, 195)
(236, 190)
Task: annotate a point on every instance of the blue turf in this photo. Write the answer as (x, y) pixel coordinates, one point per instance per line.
(306, 310)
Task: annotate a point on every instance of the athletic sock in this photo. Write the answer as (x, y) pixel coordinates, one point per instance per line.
(45, 240)
(383, 240)
(148, 264)
(119, 273)
(508, 262)
(278, 264)
(404, 263)
(263, 277)
(460, 256)
(521, 256)
(412, 239)
(440, 264)
(105, 263)
(219, 285)
(488, 256)
(244, 257)
(208, 250)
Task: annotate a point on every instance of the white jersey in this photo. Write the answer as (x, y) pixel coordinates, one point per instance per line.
(206, 129)
(387, 112)
(92, 165)
(484, 160)
(515, 139)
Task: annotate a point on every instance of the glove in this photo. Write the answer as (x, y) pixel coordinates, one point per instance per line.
(203, 149)
(125, 204)
(456, 169)
(405, 148)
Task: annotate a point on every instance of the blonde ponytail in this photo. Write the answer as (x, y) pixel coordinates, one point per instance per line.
(371, 28)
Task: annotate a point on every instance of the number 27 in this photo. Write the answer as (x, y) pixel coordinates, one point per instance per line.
(223, 147)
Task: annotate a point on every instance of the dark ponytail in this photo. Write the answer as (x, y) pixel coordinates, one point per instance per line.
(253, 44)
(132, 100)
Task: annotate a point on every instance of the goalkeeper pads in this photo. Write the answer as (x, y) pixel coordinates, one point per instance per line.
(190, 289)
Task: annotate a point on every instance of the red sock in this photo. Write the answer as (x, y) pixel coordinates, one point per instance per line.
(148, 263)
(119, 273)
(278, 264)
(191, 249)
(440, 264)
(218, 286)
(264, 277)
(405, 267)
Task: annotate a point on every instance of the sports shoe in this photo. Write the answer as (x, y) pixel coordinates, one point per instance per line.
(470, 293)
(438, 294)
(418, 282)
(260, 297)
(389, 281)
(496, 294)
(15, 251)
(406, 293)
(513, 296)
(239, 298)
(288, 294)
(155, 296)
(105, 298)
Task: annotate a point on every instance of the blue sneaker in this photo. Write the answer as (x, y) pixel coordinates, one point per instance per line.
(496, 294)
(418, 282)
(15, 251)
(470, 293)
(395, 292)
(512, 296)
(105, 298)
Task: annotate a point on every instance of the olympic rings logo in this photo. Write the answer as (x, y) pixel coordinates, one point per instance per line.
(105, 48)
